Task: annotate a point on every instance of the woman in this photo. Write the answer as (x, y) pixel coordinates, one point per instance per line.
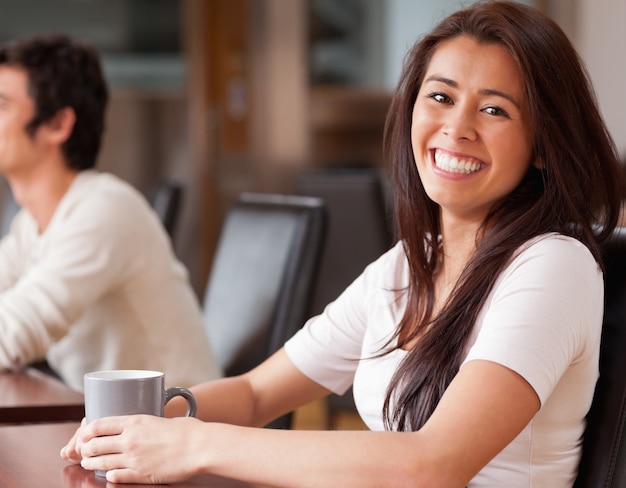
(478, 333)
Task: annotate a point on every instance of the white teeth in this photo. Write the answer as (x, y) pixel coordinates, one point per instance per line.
(455, 165)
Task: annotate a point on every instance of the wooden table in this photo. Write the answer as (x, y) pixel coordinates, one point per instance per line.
(32, 396)
(29, 458)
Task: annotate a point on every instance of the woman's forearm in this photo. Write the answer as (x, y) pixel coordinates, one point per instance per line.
(328, 458)
(226, 400)
(268, 391)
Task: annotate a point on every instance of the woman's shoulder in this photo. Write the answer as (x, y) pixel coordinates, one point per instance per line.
(557, 245)
(559, 254)
(394, 257)
(390, 270)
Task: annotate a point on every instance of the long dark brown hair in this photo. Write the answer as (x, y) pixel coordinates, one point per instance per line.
(577, 192)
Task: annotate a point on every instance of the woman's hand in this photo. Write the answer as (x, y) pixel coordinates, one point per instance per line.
(69, 452)
(140, 448)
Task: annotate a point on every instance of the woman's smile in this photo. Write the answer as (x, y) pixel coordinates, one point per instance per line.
(457, 164)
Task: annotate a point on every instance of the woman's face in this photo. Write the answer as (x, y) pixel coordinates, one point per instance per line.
(470, 132)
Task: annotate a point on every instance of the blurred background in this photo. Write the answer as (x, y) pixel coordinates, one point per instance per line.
(225, 96)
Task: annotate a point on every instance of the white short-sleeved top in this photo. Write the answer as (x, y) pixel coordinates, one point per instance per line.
(542, 320)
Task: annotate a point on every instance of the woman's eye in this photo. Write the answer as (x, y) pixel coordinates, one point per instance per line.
(439, 97)
(496, 111)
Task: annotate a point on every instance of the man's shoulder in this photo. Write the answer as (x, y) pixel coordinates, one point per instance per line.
(91, 181)
(101, 197)
(106, 189)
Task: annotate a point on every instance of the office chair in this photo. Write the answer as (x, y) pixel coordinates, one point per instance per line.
(166, 199)
(359, 231)
(603, 462)
(261, 279)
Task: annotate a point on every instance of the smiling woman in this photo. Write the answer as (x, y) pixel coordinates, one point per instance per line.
(472, 345)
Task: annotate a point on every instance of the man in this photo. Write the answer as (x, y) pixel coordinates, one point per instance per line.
(88, 278)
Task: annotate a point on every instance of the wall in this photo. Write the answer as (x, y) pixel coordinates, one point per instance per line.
(406, 21)
(599, 35)
(602, 44)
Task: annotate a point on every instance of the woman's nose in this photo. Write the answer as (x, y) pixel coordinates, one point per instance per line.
(460, 124)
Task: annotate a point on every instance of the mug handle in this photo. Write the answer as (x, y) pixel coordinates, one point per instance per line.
(175, 391)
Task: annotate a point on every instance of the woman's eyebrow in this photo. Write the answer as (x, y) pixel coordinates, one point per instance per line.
(484, 91)
(498, 93)
(442, 79)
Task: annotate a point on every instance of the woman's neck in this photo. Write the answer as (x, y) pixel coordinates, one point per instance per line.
(458, 244)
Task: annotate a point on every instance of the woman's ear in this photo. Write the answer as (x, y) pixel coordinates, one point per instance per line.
(538, 163)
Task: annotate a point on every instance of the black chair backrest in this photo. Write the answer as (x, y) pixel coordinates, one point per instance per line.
(359, 229)
(166, 199)
(261, 279)
(603, 462)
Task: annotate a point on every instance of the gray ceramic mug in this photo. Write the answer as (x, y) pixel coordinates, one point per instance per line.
(128, 392)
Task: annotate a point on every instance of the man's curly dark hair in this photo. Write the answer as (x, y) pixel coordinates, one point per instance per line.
(63, 72)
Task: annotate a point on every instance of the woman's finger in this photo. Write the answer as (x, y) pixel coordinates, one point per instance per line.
(69, 452)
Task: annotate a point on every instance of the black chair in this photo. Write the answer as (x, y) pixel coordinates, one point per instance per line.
(166, 199)
(603, 462)
(259, 288)
(359, 231)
